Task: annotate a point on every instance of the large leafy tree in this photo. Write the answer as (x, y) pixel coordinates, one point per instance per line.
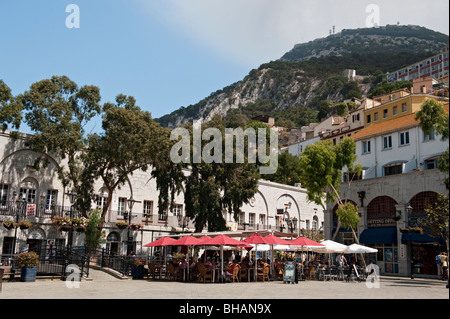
(213, 187)
(131, 141)
(10, 109)
(57, 111)
(321, 167)
(288, 171)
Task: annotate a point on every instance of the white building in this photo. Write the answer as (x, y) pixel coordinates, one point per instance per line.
(275, 207)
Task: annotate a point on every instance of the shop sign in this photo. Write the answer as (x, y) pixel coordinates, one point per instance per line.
(381, 222)
(31, 210)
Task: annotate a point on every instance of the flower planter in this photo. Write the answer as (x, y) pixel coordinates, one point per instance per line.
(9, 226)
(404, 230)
(80, 229)
(137, 272)
(65, 228)
(28, 274)
(24, 227)
(396, 218)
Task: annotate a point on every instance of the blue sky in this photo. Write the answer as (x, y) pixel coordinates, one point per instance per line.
(173, 53)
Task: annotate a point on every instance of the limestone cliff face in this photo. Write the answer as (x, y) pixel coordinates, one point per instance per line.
(312, 72)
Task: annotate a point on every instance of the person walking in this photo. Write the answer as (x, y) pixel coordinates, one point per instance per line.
(444, 263)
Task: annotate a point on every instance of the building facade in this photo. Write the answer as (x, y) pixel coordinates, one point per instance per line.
(37, 196)
(400, 180)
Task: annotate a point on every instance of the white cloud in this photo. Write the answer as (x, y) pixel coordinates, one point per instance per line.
(257, 31)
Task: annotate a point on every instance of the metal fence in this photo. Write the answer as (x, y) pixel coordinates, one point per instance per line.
(56, 265)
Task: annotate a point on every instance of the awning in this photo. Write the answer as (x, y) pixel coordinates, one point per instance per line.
(422, 239)
(380, 235)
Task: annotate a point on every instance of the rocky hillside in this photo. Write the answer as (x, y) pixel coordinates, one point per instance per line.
(293, 88)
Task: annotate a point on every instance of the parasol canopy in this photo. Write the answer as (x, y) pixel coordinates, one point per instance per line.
(331, 247)
(360, 249)
(187, 241)
(256, 238)
(305, 242)
(274, 240)
(163, 241)
(222, 240)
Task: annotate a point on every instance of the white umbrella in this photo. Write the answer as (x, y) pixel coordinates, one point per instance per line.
(360, 249)
(331, 247)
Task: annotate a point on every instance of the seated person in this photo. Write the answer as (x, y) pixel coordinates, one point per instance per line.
(230, 271)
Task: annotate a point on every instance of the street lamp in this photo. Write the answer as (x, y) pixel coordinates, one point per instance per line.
(20, 204)
(286, 207)
(127, 215)
(72, 198)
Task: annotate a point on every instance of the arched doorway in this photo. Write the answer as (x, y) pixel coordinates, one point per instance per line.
(113, 243)
(381, 232)
(424, 248)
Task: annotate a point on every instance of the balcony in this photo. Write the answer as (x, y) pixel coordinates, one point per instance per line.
(10, 208)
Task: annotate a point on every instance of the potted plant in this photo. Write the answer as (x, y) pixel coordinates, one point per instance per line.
(62, 223)
(397, 218)
(136, 226)
(24, 225)
(9, 224)
(80, 224)
(122, 225)
(416, 229)
(29, 263)
(137, 270)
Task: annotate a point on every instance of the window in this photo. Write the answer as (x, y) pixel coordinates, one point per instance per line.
(147, 209)
(431, 164)
(392, 170)
(385, 113)
(387, 142)
(375, 116)
(262, 219)
(52, 194)
(251, 219)
(28, 194)
(307, 224)
(177, 210)
(241, 218)
(366, 147)
(121, 206)
(3, 194)
(368, 118)
(394, 110)
(404, 138)
(428, 137)
(315, 223)
(404, 107)
(355, 117)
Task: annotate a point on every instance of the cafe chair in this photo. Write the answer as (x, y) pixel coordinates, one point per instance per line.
(263, 273)
(243, 272)
(173, 273)
(235, 275)
(204, 273)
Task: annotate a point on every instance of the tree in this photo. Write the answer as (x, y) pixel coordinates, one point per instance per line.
(321, 166)
(10, 108)
(57, 110)
(213, 187)
(131, 141)
(432, 117)
(288, 171)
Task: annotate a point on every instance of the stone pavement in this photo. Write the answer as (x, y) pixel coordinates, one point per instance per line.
(104, 286)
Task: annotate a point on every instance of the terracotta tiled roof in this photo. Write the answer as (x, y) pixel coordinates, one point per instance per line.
(388, 126)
